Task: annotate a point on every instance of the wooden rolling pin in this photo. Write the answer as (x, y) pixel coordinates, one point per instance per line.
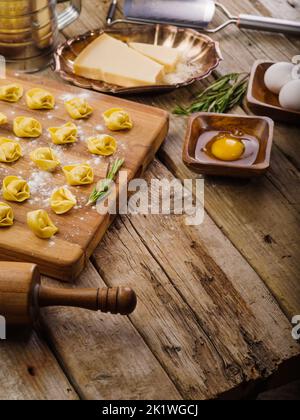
(22, 295)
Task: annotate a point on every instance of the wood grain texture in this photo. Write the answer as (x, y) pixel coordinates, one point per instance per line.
(29, 371)
(80, 230)
(111, 358)
(242, 48)
(106, 358)
(203, 310)
(19, 285)
(168, 353)
(103, 355)
(249, 212)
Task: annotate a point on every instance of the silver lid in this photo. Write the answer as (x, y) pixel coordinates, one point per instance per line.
(187, 13)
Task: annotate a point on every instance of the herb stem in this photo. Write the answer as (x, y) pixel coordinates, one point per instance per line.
(220, 96)
(103, 187)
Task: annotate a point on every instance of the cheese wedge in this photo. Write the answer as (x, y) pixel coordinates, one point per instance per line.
(112, 61)
(168, 57)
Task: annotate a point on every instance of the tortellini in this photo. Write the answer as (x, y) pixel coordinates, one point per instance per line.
(78, 108)
(41, 224)
(6, 215)
(40, 99)
(11, 93)
(27, 127)
(45, 159)
(15, 189)
(103, 145)
(10, 151)
(3, 119)
(117, 119)
(64, 135)
(81, 174)
(62, 200)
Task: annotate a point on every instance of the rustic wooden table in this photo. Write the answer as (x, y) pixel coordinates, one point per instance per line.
(215, 301)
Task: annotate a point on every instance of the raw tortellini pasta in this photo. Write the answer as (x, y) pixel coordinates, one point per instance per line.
(78, 108)
(15, 189)
(103, 145)
(40, 99)
(11, 93)
(3, 119)
(45, 159)
(64, 135)
(27, 127)
(41, 224)
(62, 200)
(117, 119)
(6, 215)
(81, 174)
(10, 151)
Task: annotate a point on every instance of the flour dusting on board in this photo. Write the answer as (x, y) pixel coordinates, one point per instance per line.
(40, 186)
(66, 97)
(77, 228)
(69, 96)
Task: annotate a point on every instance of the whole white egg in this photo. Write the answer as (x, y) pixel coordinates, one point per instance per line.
(277, 76)
(289, 97)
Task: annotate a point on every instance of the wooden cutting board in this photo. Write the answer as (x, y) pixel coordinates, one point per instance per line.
(81, 230)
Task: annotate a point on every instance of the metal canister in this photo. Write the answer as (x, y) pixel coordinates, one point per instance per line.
(29, 31)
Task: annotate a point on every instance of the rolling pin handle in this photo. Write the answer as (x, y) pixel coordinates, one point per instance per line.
(116, 300)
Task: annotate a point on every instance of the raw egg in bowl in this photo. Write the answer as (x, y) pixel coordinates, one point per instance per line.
(226, 147)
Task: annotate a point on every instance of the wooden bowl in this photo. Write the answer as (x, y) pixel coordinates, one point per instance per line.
(260, 127)
(263, 102)
(203, 55)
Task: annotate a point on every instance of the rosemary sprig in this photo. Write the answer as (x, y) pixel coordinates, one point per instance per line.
(220, 97)
(102, 188)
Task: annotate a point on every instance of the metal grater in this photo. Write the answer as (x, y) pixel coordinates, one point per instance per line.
(197, 14)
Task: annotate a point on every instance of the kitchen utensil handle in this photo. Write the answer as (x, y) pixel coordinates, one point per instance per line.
(269, 24)
(112, 12)
(69, 15)
(116, 300)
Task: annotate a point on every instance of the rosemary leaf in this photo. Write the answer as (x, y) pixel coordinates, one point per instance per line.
(220, 97)
(103, 187)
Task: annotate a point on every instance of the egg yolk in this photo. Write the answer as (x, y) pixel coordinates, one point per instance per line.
(228, 149)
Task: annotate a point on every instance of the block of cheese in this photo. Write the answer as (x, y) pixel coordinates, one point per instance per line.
(168, 57)
(112, 61)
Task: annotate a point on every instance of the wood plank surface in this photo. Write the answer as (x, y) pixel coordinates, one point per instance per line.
(168, 350)
(205, 324)
(248, 212)
(203, 310)
(81, 229)
(29, 371)
(254, 45)
(105, 357)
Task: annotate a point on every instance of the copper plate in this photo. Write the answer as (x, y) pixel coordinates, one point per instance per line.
(201, 52)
